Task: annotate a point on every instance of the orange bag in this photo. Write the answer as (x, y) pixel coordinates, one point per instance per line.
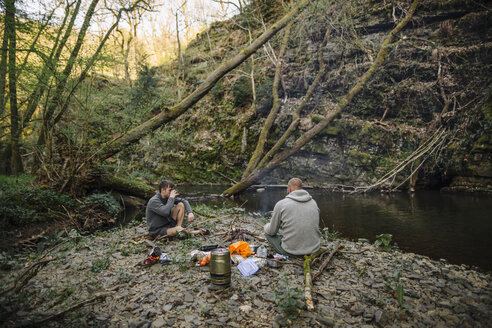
(204, 260)
(241, 248)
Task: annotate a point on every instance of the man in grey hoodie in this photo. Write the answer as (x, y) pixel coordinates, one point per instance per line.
(165, 213)
(294, 227)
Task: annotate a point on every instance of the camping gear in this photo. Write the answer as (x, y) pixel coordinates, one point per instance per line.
(253, 248)
(241, 248)
(237, 233)
(204, 260)
(236, 259)
(165, 259)
(153, 258)
(248, 267)
(280, 257)
(262, 251)
(207, 248)
(220, 267)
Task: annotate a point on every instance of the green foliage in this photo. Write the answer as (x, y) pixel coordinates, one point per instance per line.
(130, 248)
(264, 97)
(218, 90)
(242, 92)
(182, 261)
(99, 265)
(105, 201)
(327, 235)
(123, 276)
(395, 285)
(288, 298)
(64, 295)
(145, 88)
(23, 202)
(191, 242)
(383, 241)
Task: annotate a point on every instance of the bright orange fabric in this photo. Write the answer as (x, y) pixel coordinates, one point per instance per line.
(241, 248)
(204, 260)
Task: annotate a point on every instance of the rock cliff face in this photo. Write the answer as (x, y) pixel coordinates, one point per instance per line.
(437, 78)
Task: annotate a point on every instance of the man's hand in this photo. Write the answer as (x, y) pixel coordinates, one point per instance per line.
(173, 194)
(179, 228)
(191, 217)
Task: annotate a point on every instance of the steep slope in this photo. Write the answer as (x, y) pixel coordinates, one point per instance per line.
(437, 77)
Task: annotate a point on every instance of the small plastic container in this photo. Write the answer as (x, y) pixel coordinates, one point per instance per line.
(262, 251)
(248, 267)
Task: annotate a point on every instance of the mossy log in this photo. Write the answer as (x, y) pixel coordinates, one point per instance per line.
(169, 114)
(342, 104)
(125, 186)
(308, 282)
(260, 145)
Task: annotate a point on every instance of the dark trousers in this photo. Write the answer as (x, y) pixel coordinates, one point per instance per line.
(276, 244)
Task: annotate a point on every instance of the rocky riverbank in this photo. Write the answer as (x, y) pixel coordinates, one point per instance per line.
(96, 279)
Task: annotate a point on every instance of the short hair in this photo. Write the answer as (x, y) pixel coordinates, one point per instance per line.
(164, 184)
(295, 183)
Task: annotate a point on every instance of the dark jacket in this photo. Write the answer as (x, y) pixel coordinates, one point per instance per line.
(158, 213)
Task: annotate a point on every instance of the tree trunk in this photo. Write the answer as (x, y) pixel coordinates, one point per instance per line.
(49, 67)
(88, 67)
(308, 283)
(55, 101)
(35, 41)
(166, 115)
(180, 59)
(282, 156)
(15, 158)
(3, 72)
(260, 145)
(296, 115)
(125, 186)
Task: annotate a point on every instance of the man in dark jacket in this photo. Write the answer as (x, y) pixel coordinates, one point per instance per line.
(165, 213)
(294, 227)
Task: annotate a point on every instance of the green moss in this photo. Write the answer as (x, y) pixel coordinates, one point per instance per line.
(487, 109)
(332, 130)
(360, 158)
(315, 118)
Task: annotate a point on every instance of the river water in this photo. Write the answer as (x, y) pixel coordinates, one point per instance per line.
(456, 227)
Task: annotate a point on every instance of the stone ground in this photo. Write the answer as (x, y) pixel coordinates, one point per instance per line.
(358, 288)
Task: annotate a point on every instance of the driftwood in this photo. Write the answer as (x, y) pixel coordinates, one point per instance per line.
(24, 277)
(308, 283)
(196, 225)
(101, 296)
(325, 262)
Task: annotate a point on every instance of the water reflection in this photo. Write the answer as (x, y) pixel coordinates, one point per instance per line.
(457, 227)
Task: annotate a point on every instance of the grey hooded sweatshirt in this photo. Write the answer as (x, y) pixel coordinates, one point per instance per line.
(296, 218)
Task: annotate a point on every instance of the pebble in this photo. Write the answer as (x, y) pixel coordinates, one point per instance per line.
(188, 298)
(160, 322)
(437, 293)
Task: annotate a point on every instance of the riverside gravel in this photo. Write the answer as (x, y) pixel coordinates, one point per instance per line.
(357, 289)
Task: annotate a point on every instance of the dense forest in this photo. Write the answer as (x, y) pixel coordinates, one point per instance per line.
(383, 108)
(348, 95)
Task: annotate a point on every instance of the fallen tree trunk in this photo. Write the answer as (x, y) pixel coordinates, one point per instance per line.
(126, 186)
(262, 139)
(342, 104)
(169, 114)
(308, 283)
